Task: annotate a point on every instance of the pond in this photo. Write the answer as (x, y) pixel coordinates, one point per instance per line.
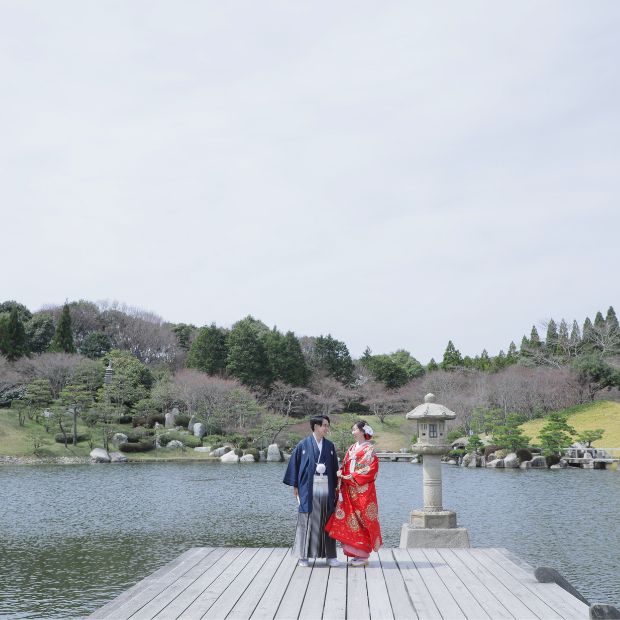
(74, 537)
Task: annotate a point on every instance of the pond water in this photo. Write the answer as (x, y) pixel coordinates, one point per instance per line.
(74, 537)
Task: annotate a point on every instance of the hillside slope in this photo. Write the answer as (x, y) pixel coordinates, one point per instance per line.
(599, 414)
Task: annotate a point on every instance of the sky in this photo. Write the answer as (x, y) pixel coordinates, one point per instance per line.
(394, 173)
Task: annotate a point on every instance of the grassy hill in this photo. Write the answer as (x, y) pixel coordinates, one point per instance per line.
(599, 414)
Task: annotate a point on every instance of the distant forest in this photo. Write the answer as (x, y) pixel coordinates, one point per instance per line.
(216, 372)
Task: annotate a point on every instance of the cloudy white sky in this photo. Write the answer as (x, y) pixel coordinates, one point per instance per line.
(395, 173)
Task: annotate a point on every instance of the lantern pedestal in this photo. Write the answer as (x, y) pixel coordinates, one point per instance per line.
(432, 526)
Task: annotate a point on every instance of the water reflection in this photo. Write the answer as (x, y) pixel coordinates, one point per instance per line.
(72, 538)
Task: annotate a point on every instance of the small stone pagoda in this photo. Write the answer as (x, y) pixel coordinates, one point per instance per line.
(432, 526)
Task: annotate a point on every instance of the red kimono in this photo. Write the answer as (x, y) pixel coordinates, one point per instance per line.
(355, 522)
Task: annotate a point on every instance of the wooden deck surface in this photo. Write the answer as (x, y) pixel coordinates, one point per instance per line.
(240, 583)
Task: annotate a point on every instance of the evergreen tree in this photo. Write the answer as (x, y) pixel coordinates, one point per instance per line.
(209, 351)
(534, 343)
(574, 341)
(333, 357)
(484, 362)
(286, 361)
(247, 357)
(525, 345)
(24, 314)
(509, 435)
(513, 354)
(14, 345)
(432, 365)
(499, 361)
(408, 363)
(587, 337)
(556, 435)
(551, 341)
(39, 332)
(386, 370)
(599, 321)
(183, 332)
(63, 338)
(451, 358)
(563, 339)
(95, 345)
(611, 320)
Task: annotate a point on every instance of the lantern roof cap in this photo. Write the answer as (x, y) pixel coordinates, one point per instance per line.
(430, 409)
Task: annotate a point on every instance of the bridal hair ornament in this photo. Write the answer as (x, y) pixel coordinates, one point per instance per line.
(368, 430)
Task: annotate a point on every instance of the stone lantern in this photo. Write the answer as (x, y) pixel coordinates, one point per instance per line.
(432, 526)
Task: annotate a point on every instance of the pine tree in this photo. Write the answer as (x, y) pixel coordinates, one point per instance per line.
(587, 338)
(451, 358)
(334, 357)
(574, 340)
(484, 362)
(247, 357)
(525, 345)
(63, 338)
(599, 321)
(535, 344)
(286, 360)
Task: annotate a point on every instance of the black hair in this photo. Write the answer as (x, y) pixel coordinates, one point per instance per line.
(317, 420)
(360, 424)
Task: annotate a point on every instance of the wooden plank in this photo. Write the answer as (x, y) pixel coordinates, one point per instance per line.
(176, 587)
(184, 559)
(563, 602)
(466, 601)
(378, 596)
(246, 605)
(447, 606)
(398, 586)
(531, 600)
(312, 607)
(479, 591)
(294, 595)
(214, 589)
(357, 594)
(335, 604)
(417, 589)
(270, 601)
(517, 608)
(176, 607)
(224, 604)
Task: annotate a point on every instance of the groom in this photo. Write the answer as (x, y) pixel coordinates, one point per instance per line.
(311, 472)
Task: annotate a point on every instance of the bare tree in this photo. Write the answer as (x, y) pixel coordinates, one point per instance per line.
(382, 402)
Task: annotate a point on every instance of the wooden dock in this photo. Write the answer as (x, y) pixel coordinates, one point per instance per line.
(241, 583)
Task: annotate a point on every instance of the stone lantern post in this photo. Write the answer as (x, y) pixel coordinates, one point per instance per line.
(432, 526)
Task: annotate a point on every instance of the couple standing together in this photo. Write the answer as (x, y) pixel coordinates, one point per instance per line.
(335, 504)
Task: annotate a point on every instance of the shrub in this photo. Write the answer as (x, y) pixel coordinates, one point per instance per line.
(58, 438)
(253, 452)
(188, 440)
(139, 420)
(501, 454)
(125, 419)
(138, 434)
(552, 459)
(523, 454)
(455, 454)
(142, 446)
(180, 420)
(490, 449)
(155, 417)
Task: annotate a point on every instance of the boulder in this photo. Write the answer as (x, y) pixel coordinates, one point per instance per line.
(496, 463)
(476, 461)
(175, 444)
(99, 455)
(220, 451)
(511, 460)
(247, 458)
(273, 454)
(556, 466)
(190, 424)
(286, 456)
(414, 460)
(526, 465)
(199, 430)
(119, 438)
(539, 462)
(118, 457)
(467, 459)
(203, 449)
(451, 462)
(563, 464)
(229, 457)
(171, 417)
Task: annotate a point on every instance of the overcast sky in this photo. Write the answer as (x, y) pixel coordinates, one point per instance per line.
(396, 174)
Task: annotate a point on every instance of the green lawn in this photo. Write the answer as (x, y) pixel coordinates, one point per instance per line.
(599, 414)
